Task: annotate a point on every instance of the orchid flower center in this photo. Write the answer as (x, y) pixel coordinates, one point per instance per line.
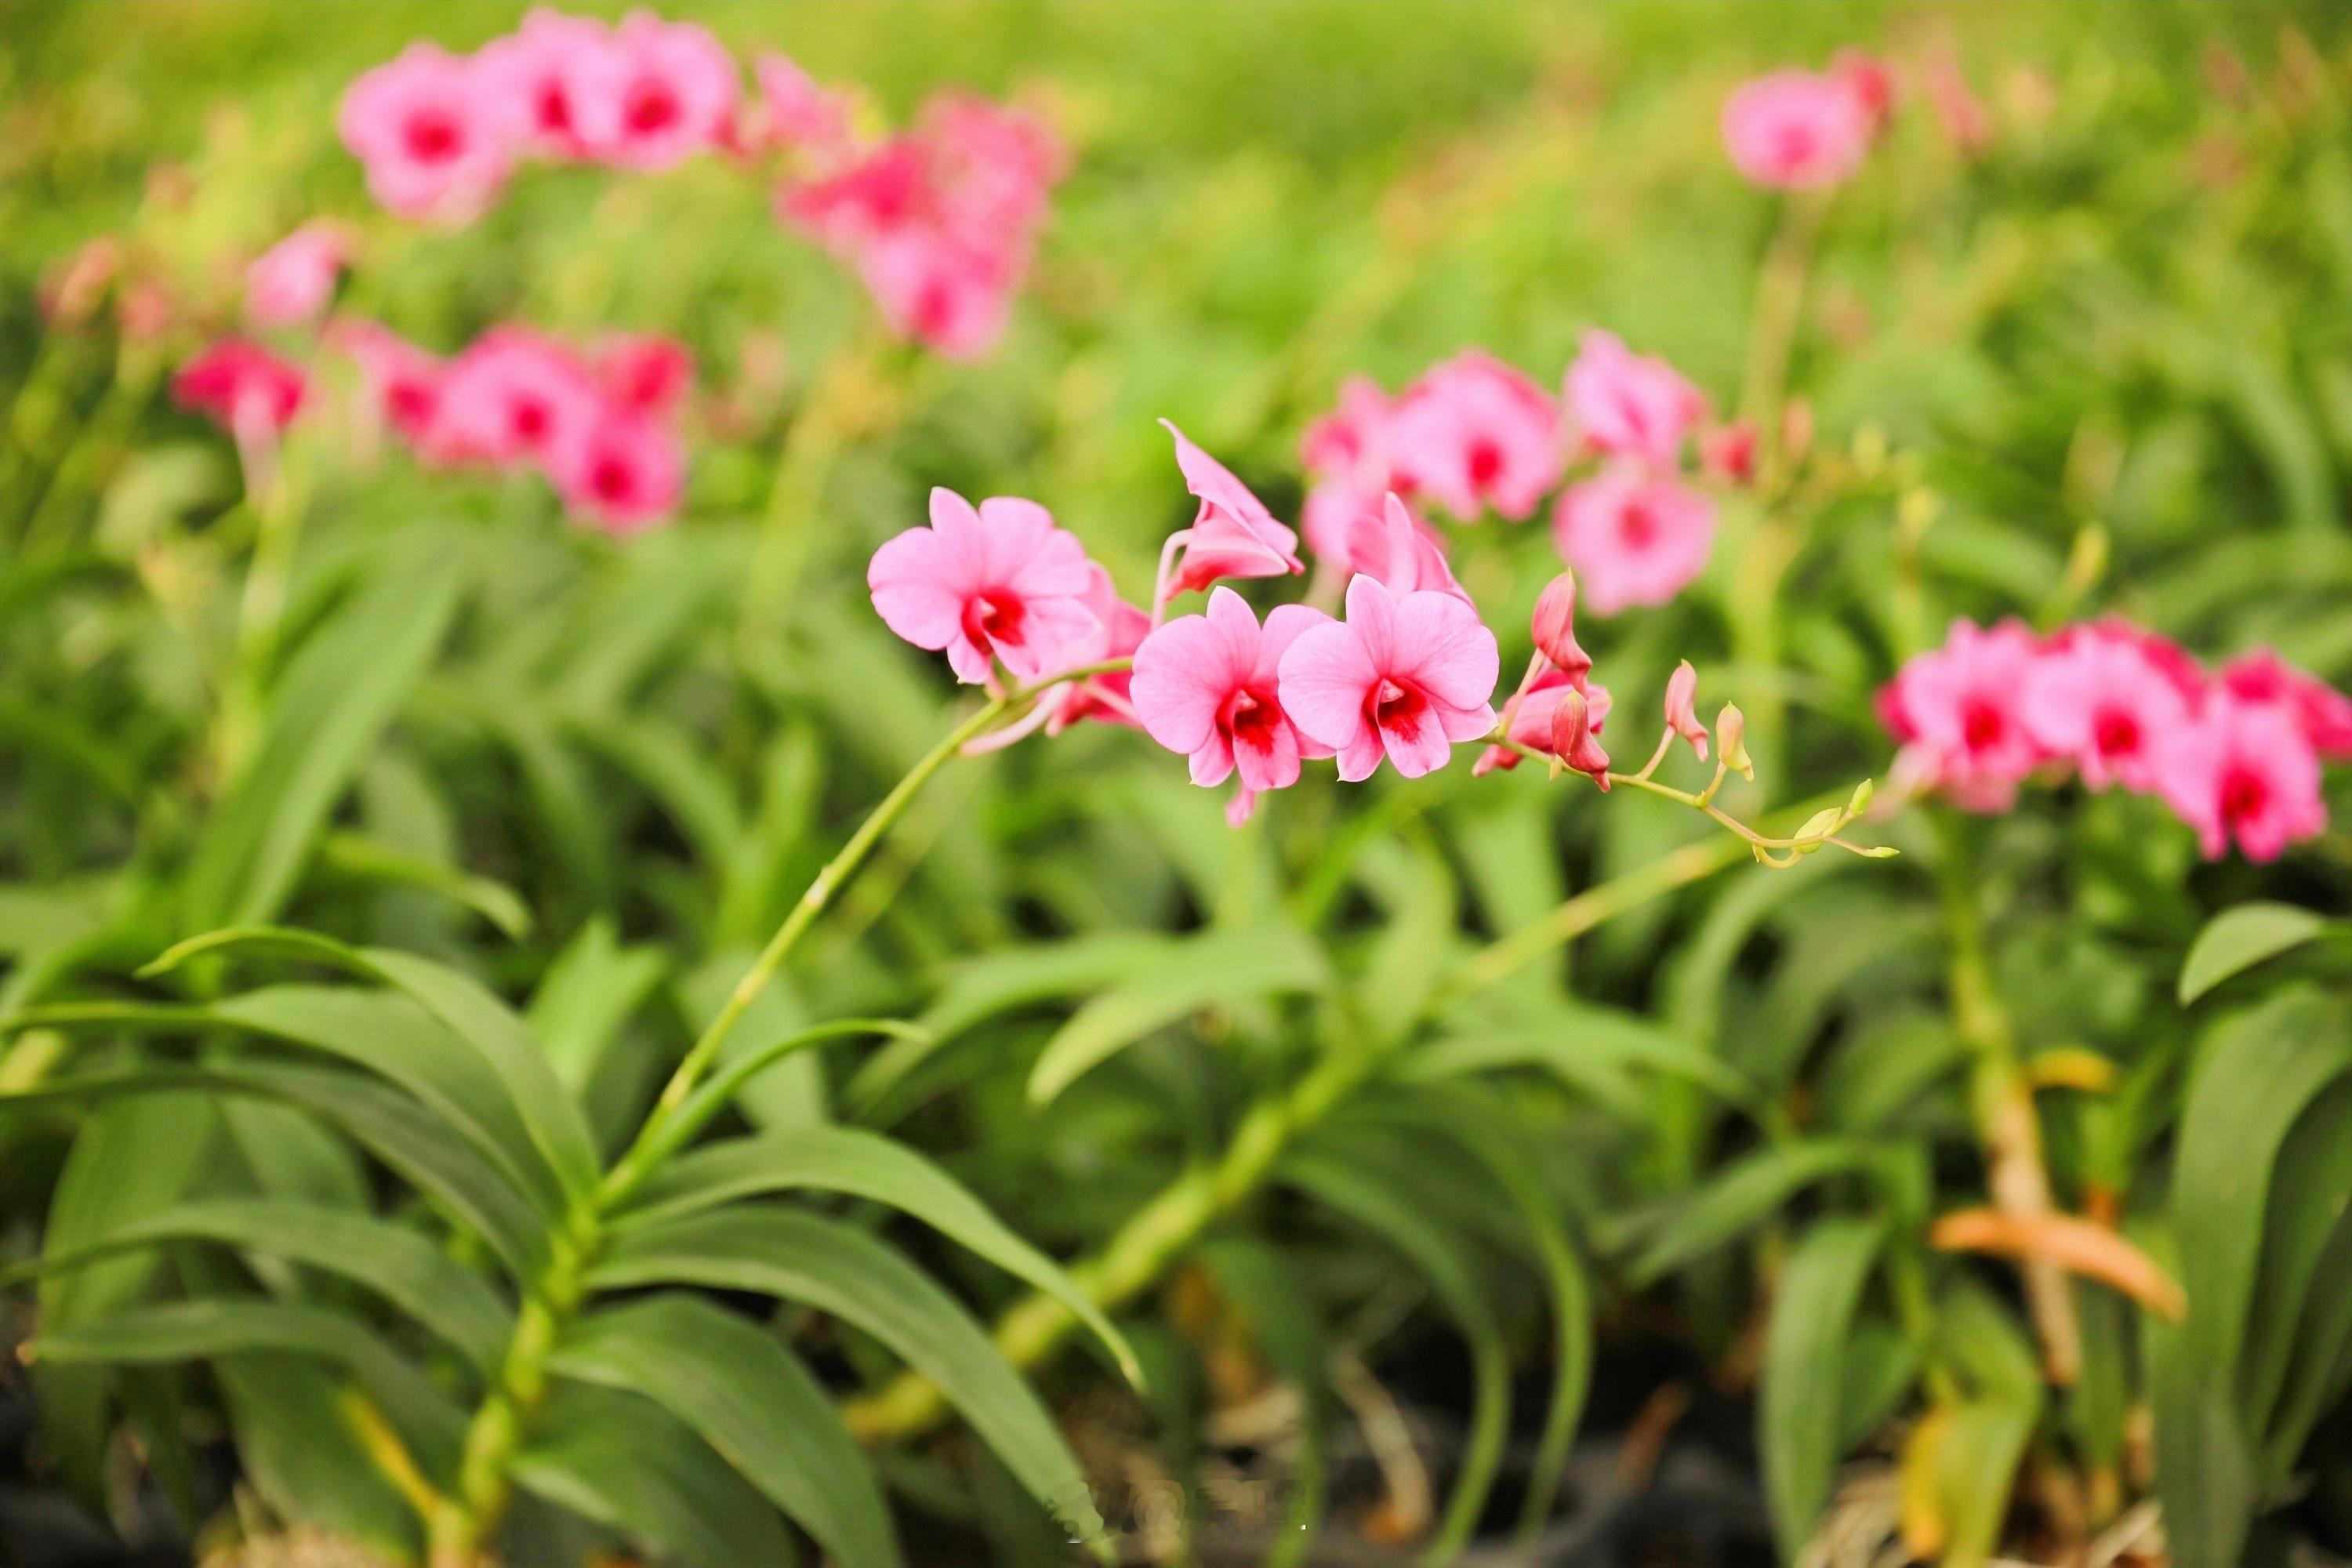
(554, 108)
(652, 107)
(1486, 463)
(2244, 794)
(2116, 734)
(993, 616)
(1399, 707)
(612, 479)
(1638, 527)
(1249, 719)
(529, 417)
(433, 136)
(1982, 725)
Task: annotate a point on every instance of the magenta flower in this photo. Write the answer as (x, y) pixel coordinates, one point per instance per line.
(1795, 130)
(291, 282)
(1531, 716)
(559, 82)
(1392, 546)
(1210, 687)
(642, 373)
(432, 140)
(1632, 537)
(1233, 534)
(1959, 712)
(402, 381)
(248, 391)
(2323, 714)
(1631, 404)
(1474, 434)
(512, 397)
(677, 91)
(1401, 678)
(2101, 701)
(622, 471)
(2246, 771)
(1000, 582)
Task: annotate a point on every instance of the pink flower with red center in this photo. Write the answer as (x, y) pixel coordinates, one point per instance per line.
(2264, 679)
(1402, 679)
(1631, 404)
(998, 582)
(951, 300)
(1871, 81)
(559, 82)
(292, 282)
(1474, 434)
(677, 91)
(432, 140)
(992, 164)
(402, 380)
(620, 470)
(2246, 771)
(513, 396)
(1959, 712)
(1233, 534)
(1211, 687)
(1795, 130)
(1633, 538)
(1727, 452)
(1531, 716)
(2101, 701)
(249, 391)
(1398, 549)
(1120, 630)
(642, 373)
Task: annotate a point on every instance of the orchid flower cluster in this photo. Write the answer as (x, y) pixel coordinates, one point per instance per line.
(937, 221)
(2234, 751)
(1473, 436)
(1405, 675)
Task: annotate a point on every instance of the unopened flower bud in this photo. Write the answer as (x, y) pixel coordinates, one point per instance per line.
(1681, 708)
(1732, 737)
(1817, 827)
(1554, 626)
(1728, 451)
(1573, 744)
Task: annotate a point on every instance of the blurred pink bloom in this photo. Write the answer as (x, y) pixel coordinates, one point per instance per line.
(1727, 452)
(2246, 771)
(999, 581)
(1959, 113)
(1389, 545)
(1871, 81)
(2101, 701)
(403, 380)
(1351, 440)
(677, 91)
(991, 163)
(1631, 404)
(292, 282)
(642, 373)
(950, 299)
(1795, 130)
(1532, 718)
(1330, 513)
(1474, 434)
(249, 391)
(1959, 712)
(558, 83)
(1209, 686)
(1402, 679)
(793, 111)
(1120, 630)
(2262, 680)
(620, 470)
(1233, 534)
(512, 397)
(1681, 708)
(1634, 538)
(433, 142)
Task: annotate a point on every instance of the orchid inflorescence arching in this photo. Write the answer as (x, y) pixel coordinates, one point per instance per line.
(2234, 751)
(1407, 673)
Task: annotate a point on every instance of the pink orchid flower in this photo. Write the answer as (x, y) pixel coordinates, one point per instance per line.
(1681, 708)
(995, 582)
(1632, 537)
(1402, 679)
(1871, 81)
(2246, 771)
(560, 82)
(1351, 440)
(2101, 702)
(433, 142)
(1394, 547)
(248, 391)
(677, 91)
(1631, 404)
(2323, 714)
(291, 282)
(1795, 130)
(1233, 534)
(1474, 434)
(1959, 712)
(1531, 716)
(642, 373)
(950, 298)
(621, 471)
(400, 380)
(1210, 685)
(512, 397)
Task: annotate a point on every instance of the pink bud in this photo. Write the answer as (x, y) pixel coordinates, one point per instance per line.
(1572, 742)
(1728, 451)
(1554, 624)
(1682, 709)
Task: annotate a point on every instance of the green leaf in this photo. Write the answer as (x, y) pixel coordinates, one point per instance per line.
(1588, 1042)
(294, 1438)
(865, 1165)
(828, 1265)
(363, 860)
(752, 1400)
(1748, 1193)
(1798, 1415)
(397, 1264)
(587, 994)
(626, 1462)
(2236, 940)
(2204, 1467)
(335, 699)
(1216, 968)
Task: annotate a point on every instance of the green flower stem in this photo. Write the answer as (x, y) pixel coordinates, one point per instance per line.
(1167, 1226)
